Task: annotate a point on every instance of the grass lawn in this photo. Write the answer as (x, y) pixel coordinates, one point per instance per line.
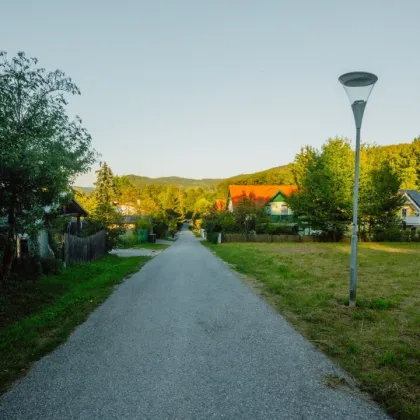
(378, 342)
(40, 315)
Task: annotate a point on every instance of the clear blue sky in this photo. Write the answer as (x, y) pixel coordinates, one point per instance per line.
(201, 88)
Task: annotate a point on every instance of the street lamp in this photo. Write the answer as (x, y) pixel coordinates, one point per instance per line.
(358, 86)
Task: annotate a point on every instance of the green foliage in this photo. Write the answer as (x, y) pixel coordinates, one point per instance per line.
(126, 193)
(274, 176)
(276, 228)
(160, 228)
(105, 189)
(213, 237)
(325, 193)
(51, 266)
(143, 181)
(143, 224)
(127, 241)
(380, 198)
(42, 150)
(105, 215)
(325, 187)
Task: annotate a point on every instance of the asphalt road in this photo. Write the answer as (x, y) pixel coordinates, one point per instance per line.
(184, 338)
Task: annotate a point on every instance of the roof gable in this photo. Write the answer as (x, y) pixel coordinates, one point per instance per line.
(414, 196)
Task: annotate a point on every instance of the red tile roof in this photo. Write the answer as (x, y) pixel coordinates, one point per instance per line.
(262, 193)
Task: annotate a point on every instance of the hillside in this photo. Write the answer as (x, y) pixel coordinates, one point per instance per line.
(141, 181)
(277, 175)
(399, 153)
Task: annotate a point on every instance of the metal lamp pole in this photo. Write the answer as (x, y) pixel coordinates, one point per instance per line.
(358, 86)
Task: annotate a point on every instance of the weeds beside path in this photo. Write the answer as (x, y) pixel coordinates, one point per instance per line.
(40, 315)
(378, 342)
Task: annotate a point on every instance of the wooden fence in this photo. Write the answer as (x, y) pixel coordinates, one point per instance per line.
(84, 249)
(243, 237)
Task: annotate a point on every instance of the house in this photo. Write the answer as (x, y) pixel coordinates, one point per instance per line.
(410, 212)
(73, 209)
(272, 197)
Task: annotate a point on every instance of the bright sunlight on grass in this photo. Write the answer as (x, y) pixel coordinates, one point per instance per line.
(378, 342)
(41, 315)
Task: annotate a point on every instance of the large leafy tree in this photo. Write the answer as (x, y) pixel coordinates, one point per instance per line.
(325, 180)
(42, 149)
(380, 199)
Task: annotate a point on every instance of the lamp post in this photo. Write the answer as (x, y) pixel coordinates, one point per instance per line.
(358, 86)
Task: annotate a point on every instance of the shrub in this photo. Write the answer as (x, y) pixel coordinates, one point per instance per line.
(276, 229)
(387, 235)
(28, 267)
(213, 237)
(51, 266)
(143, 224)
(160, 228)
(127, 241)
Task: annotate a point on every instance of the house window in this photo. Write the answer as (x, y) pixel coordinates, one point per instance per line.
(404, 212)
(284, 210)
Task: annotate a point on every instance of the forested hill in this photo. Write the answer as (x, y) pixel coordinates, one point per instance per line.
(281, 174)
(141, 181)
(401, 156)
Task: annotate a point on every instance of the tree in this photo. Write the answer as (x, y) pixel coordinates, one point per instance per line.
(105, 190)
(325, 181)
(105, 215)
(381, 199)
(42, 149)
(127, 193)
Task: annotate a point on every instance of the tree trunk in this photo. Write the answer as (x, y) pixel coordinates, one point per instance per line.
(9, 251)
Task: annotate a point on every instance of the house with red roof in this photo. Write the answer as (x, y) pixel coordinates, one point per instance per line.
(272, 197)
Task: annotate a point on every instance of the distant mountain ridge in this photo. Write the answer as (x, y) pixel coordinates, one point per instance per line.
(277, 175)
(141, 181)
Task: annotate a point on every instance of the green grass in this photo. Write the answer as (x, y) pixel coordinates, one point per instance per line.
(378, 341)
(38, 316)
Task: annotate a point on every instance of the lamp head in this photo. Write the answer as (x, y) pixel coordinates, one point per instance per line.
(358, 85)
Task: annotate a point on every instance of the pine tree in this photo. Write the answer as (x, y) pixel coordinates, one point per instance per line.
(105, 190)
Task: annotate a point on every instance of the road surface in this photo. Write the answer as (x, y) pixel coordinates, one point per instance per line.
(184, 339)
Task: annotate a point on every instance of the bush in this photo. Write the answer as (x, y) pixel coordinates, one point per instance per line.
(127, 241)
(213, 237)
(276, 229)
(160, 228)
(27, 267)
(51, 266)
(143, 224)
(387, 235)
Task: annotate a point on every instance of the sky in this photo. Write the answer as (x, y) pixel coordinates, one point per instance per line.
(211, 89)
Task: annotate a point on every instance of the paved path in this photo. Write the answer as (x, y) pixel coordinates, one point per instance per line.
(184, 339)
